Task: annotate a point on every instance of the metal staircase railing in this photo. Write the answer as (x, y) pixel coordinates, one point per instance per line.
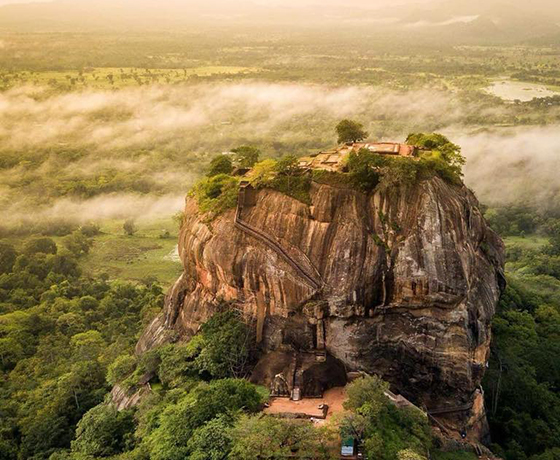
(271, 243)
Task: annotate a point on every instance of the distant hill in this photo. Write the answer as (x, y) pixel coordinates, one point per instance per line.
(459, 21)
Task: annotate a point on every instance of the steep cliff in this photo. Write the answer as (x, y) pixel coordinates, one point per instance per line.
(402, 283)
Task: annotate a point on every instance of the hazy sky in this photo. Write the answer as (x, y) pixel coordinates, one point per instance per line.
(353, 3)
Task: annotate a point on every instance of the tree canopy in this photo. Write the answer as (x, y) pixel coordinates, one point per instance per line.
(246, 156)
(350, 131)
(221, 164)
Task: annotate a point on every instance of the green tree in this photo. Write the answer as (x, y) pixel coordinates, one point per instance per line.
(178, 365)
(129, 227)
(8, 257)
(40, 245)
(365, 169)
(350, 131)
(169, 441)
(70, 323)
(288, 165)
(520, 384)
(450, 152)
(216, 194)
(11, 351)
(228, 343)
(259, 438)
(246, 156)
(88, 345)
(103, 432)
(263, 173)
(212, 441)
(385, 429)
(220, 164)
(77, 243)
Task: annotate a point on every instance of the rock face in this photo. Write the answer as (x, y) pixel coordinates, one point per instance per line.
(401, 283)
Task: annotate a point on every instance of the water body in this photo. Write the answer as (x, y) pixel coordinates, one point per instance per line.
(516, 90)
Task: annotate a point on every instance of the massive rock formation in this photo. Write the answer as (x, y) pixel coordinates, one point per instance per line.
(402, 283)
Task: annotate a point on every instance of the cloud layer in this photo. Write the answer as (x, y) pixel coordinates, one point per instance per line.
(164, 135)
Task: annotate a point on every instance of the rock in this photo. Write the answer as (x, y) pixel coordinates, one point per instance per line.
(125, 399)
(408, 279)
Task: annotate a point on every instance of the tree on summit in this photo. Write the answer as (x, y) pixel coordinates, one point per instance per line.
(246, 156)
(350, 131)
(220, 164)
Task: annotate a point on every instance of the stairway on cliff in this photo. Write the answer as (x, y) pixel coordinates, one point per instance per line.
(243, 201)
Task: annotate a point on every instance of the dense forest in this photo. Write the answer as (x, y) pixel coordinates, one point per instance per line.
(67, 339)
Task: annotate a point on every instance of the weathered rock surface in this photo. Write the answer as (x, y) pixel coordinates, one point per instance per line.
(410, 280)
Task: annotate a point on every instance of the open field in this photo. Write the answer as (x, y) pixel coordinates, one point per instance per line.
(143, 256)
(148, 255)
(528, 242)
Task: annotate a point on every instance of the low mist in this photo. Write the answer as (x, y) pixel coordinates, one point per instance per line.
(59, 151)
(514, 166)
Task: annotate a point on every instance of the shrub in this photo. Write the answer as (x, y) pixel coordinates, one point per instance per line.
(295, 186)
(221, 164)
(40, 245)
(287, 165)
(399, 171)
(77, 243)
(282, 176)
(271, 437)
(91, 229)
(216, 194)
(263, 173)
(335, 179)
(433, 163)
(129, 227)
(444, 157)
(364, 169)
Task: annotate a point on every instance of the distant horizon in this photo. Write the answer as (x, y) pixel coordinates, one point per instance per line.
(354, 3)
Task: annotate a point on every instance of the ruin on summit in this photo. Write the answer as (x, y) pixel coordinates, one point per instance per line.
(334, 160)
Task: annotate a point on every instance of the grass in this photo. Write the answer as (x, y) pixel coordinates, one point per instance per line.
(136, 257)
(528, 242)
(113, 77)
